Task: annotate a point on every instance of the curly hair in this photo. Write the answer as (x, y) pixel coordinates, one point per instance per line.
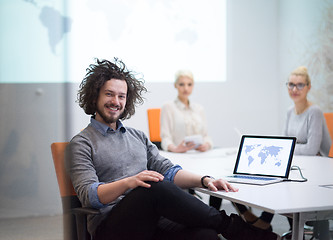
(103, 71)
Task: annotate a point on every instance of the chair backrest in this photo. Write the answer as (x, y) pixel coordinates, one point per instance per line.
(68, 196)
(154, 115)
(64, 182)
(329, 121)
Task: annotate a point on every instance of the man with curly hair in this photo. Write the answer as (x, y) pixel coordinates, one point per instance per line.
(118, 170)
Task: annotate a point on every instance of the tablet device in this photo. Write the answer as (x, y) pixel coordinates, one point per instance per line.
(196, 139)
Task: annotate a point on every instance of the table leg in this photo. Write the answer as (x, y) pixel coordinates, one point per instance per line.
(298, 226)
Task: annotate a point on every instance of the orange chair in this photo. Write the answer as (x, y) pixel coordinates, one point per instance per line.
(329, 122)
(154, 115)
(74, 216)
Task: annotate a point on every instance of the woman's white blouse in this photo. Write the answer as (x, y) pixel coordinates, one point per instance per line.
(179, 121)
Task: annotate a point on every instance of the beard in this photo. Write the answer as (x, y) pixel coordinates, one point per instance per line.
(109, 118)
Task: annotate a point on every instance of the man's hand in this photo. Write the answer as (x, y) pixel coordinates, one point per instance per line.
(140, 179)
(109, 192)
(220, 184)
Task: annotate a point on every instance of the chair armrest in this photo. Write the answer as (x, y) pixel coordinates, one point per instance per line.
(85, 211)
(81, 220)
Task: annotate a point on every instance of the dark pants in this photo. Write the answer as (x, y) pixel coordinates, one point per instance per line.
(215, 202)
(265, 216)
(163, 211)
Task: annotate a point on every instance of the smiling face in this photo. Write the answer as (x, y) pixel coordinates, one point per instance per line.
(295, 94)
(111, 102)
(184, 86)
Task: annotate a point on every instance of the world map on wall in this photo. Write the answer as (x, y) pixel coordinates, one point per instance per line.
(147, 35)
(56, 24)
(264, 154)
(154, 38)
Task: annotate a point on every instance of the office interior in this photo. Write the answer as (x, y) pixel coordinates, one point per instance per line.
(266, 40)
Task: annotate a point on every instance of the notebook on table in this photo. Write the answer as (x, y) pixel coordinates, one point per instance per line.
(263, 160)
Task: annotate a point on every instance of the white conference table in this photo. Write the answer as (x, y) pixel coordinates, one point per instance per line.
(303, 201)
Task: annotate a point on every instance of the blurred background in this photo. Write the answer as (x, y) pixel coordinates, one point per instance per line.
(241, 53)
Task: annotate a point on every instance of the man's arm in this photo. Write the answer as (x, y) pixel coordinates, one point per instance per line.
(111, 191)
(185, 179)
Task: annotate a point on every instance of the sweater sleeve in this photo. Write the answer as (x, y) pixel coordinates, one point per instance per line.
(81, 170)
(314, 134)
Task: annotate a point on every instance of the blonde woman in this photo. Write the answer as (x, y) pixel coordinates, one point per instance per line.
(181, 118)
(305, 120)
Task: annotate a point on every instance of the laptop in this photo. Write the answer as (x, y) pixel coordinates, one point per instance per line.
(263, 160)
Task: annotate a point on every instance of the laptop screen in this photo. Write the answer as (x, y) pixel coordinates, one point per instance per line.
(265, 155)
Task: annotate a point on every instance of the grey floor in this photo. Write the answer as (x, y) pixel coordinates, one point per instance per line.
(32, 228)
(50, 227)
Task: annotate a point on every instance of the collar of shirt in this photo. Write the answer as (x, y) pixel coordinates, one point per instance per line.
(104, 129)
(181, 105)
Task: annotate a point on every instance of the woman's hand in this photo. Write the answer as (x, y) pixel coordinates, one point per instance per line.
(182, 147)
(141, 179)
(203, 147)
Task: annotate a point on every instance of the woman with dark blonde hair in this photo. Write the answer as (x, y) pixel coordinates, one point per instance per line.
(306, 120)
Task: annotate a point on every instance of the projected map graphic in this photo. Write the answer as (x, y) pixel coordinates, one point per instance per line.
(147, 35)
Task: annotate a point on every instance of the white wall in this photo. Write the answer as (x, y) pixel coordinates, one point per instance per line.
(31, 119)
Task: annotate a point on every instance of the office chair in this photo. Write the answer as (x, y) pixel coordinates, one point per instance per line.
(74, 215)
(311, 229)
(154, 115)
(329, 121)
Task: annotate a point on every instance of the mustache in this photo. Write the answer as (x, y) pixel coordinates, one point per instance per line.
(113, 105)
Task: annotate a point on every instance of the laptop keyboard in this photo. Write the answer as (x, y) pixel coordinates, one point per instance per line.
(253, 177)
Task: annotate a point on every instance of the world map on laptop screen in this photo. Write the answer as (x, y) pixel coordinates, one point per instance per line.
(264, 156)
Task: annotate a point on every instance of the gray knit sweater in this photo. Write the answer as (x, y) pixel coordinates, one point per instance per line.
(96, 156)
(311, 131)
